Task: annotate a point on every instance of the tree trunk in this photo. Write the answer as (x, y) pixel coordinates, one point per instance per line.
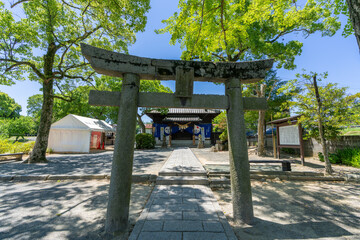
(261, 120)
(38, 154)
(354, 11)
(141, 123)
(328, 168)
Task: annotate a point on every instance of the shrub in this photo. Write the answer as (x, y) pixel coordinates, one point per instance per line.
(347, 156)
(333, 158)
(288, 150)
(24, 147)
(7, 146)
(145, 141)
(224, 136)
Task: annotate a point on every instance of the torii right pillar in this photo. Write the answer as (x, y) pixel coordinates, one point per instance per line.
(239, 160)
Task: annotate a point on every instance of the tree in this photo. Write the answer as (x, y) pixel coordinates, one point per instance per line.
(150, 86)
(21, 126)
(79, 101)
(8, 107)
(237, 30)
(268, 88)
(351, 9)
(220, 125)
(324, 109)
(4, 128)
(43, 45)
(354, 12)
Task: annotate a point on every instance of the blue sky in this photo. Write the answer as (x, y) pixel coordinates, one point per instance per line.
(338, 55)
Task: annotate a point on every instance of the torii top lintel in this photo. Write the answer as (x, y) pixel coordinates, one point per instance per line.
(116, 64)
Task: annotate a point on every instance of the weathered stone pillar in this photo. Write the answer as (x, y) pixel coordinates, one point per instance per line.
(121, 172)
(239, 160)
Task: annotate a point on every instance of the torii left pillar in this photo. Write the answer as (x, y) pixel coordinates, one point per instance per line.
(121, 172)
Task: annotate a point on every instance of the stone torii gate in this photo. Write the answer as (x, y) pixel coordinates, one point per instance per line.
(131, 69)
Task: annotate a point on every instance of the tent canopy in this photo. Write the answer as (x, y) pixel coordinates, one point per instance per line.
(75, 122)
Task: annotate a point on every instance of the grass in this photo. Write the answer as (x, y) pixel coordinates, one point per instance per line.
(351, 132)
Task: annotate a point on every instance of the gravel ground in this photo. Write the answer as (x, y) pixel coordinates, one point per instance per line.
(60, 210)
(145, 162)
(295, 210)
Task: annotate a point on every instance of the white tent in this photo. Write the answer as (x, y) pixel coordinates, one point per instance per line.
(74, 133)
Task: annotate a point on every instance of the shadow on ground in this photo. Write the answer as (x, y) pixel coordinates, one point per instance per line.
(59, 210)
(145, 161)
(299, 211)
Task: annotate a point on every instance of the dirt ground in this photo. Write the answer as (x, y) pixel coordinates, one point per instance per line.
(299, 210)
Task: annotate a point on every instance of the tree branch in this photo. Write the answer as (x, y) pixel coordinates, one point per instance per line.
(201, 22)
(287, 32)
(219, 56)
(19, 63)
(18, 2)
(63, 98)
(223, 28)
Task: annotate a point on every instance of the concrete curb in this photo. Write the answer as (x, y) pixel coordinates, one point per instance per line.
(352, 177)
(215, 179)
(223, 180)
(137, 178)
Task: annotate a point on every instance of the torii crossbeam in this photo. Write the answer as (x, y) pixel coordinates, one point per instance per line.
(132, 69)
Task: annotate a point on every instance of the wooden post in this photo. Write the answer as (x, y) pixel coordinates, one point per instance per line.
(278, 141)
(121, 172)
(302, 154)
(239, 161)
(273, 138)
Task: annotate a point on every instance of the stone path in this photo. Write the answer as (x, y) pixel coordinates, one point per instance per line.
(182, 167)
(182, 211)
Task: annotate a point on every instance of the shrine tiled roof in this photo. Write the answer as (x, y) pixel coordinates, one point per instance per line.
(189, 110)
(182, 119)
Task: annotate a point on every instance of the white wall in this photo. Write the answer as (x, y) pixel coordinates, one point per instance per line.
(69, 140)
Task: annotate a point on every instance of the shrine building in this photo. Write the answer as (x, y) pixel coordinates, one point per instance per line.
(182, 126)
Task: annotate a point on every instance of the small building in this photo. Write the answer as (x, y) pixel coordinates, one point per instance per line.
(77, 134)
(182, 126)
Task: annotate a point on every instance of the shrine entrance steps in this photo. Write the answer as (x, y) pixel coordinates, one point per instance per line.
(182, 205)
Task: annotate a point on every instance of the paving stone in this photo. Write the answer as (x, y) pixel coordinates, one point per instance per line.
(200, 216)
(196, 200)
(157, 208)
(160, 236)
(162, 194)
(204, 236)
(183, 226)
(213, 226)
(153, 226)
(188, 194)
(206, 207)
(174, 200)
(164, 216)
(182, 207)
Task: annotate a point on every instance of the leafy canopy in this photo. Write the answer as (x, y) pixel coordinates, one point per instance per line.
(79, 103)
(43, 43)
(236, 30)
(275, 99)
(336, 112)
(8, 107)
